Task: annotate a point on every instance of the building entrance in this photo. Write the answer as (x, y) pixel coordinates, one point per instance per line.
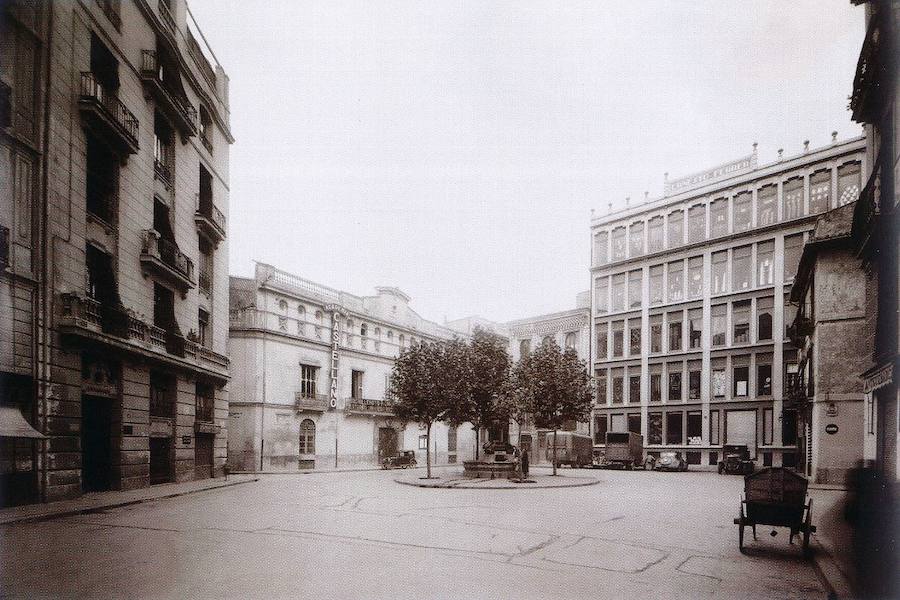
(96, 445)
(160, 460)
(203, 456)
(387, 443)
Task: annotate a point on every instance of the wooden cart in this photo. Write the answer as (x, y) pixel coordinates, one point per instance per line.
(776, 496)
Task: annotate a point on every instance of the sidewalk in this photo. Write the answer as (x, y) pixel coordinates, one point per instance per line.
(832, 542)
(101, 500)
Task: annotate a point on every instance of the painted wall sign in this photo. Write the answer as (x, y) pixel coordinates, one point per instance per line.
(741, 165)
(335, 344)
(831, 429)
(882, 377)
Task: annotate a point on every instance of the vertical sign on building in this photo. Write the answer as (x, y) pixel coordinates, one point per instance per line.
(335, 342)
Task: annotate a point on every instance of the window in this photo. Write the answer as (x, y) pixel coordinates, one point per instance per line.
(764, 376)
(768, 423)
(718, 325)
(764, 308)
(356, 385)
(713, 427)
(793, 249)
(205, 266)
(695, 327)
(740, 318)
(162, 395)
(102, 181)
(655, 387)
(718, 218)
(634, 289)
(601, 388)
(602, 340)
(547, 339)
(694, 380)
(792, 191)
(790, 313)
(718, 382)
(618, 391)
(570, 340)
(656, 285)
(204, 403)
(205, 130)
(675, 382)
(676, 228)
(636, 238)
(656, 334)
(601, 248)
(600, 428)
(618, 243)
(101, 277)
(363, 330)
(655, 235)
(634, 422)
(791, 376)
(789, 427)
(743, 212)
(741, 381)
(163, 151)
(308, 381)
(654, 428)
(848, 183)
(307, 437)
(634, 337)
(601, 294)
(765, 262)
(675, 331)
(765, 205)
(618, 292)
(634, 389)
(695, 428)
(674, 428)
(676, 281)
(618, 338)
(720, 272)
(203, 336)
(819, 192)
(423, 442)
(741, 269)
(695, 277)
(697, 223)
(524, 346)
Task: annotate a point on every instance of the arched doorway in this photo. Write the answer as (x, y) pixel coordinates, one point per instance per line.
(307, 444)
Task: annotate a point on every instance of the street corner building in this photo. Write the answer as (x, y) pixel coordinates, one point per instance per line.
(691, 309)
(113, 249)
(311, 369)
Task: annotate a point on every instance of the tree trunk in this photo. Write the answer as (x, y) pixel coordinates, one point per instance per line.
(477, 429)
(428, 452)
(554, 452)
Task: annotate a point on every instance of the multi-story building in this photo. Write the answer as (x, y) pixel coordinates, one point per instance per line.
(689, 311)
(876, 226)
(311, 372)
(130, 328)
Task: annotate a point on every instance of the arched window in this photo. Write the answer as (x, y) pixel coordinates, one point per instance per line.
(570, 339)
(282, 304)
(390, 334)
(402, 340)
(547, 339)
(319, 315)
(307, 437)
(364, 330)
(524, 347)
(301, 311)
(377, 332)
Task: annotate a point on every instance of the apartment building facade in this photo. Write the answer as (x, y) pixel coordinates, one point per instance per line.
(311, 368)
(130, 335)
(689, 309)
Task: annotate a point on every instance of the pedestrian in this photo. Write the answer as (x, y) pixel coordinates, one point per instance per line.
(524, 463)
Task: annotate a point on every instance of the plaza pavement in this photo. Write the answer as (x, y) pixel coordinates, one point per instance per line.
(362, 535)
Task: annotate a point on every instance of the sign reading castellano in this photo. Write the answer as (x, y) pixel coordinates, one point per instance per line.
(335, 342)
(742, 165)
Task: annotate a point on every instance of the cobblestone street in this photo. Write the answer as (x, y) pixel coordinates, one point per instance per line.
(635, 534)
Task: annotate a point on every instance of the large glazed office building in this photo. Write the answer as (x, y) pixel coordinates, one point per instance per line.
(689, 306)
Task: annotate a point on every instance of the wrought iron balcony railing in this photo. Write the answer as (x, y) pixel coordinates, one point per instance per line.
(170, 99)
(311, 402)
(164, 257)
(209, 219)
(108, 115)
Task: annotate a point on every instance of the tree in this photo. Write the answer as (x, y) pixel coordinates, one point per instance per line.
(427, 381)
(516, 401)
(488, 372)
(556, 387)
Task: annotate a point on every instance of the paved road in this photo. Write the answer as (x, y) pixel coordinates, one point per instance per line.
(342, 535)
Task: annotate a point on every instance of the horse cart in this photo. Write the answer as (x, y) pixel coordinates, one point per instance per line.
(776, 496)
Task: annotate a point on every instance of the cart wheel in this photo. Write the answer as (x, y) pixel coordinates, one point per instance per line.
(741, 536)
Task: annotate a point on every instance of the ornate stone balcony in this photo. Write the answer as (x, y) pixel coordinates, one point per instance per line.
(163, 258)
(210, 220)
(310, 402)
(366, 406)
(179, 110)
(105, 114)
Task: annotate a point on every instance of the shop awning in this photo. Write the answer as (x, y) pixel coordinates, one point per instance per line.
(14, 425)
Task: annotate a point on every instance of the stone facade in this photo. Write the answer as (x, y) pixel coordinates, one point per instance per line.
(130, 344)
(689, 315)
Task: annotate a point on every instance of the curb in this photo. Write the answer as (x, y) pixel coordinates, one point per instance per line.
(321, 471)
(92, 509)
(836, 583)
(460, 484)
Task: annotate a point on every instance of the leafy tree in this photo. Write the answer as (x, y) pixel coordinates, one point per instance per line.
(516, 401)
(556, 386)
(427, 382)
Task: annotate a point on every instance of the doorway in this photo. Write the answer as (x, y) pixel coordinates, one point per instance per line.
(203, 456)
(387, 443)
(160, 460)
(96, 445)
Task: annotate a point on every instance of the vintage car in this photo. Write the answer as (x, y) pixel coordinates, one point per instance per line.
(671, 461)
(736, 460)
(404, 460)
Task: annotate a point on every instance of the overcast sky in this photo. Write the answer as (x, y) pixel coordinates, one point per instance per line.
(456, 149)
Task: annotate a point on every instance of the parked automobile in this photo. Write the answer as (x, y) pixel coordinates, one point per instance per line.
(404, 460)
(736, 460)
(572, 449)
(624, 450)
(671, 461)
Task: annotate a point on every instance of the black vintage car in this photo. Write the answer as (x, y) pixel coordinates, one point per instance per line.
(736, 460)
(404, 460)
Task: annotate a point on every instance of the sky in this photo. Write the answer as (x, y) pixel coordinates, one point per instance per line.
(456, 149)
